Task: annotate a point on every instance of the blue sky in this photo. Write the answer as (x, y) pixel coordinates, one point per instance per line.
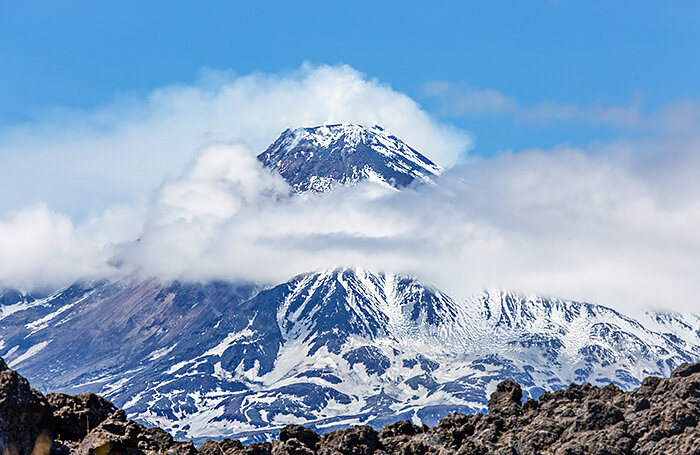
(603, 54)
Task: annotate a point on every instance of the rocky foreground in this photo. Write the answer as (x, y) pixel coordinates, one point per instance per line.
(660, 417)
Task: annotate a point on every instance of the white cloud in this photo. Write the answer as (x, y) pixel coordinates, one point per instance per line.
(614, 224)
(681, 116)
(601, 225)
(588, 225)
(79, 161)
(41, 248)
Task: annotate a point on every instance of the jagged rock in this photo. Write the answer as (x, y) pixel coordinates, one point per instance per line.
(505, 401)
(400, 428)
(661, 417)
(118, 436)
(75, 416)
(397, 437)
(296, 440)
(26, 425)
(455, 427)
(210, 448)
(686, 369)
(225, 447)
(360, 440)
(306, 437)
(530, 405)
(258, 448)
(182, 448)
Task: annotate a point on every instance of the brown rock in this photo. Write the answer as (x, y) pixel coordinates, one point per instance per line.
(296, 440)
(225, 447)
(26, 425)
(258, 448)
(505, 401)
(686, 369)
(360, 440)
(75, 416)
(118, 436)
(400, 428)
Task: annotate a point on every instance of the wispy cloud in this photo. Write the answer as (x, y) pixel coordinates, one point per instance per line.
(466, 101)
(463, 100)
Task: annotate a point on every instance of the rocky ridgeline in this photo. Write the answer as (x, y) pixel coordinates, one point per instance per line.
(660, 417)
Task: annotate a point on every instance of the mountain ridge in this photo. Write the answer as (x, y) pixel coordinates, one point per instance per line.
(329, 349)
(317, 159)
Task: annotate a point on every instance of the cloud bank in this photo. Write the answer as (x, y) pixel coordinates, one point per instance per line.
(78, 161)
(614, 224)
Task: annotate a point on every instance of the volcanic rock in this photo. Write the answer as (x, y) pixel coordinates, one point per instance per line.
(26, 424)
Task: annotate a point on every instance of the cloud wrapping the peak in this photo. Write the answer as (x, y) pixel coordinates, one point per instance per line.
(79, 161)
(589, 225)
(615, 224)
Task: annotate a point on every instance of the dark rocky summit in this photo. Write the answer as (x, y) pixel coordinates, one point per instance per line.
(319, 158)
(660, 417)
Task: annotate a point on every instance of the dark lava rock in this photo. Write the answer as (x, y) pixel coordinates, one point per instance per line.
(686, 369)
(308, 438)
(505, 401)
(26, 424)
(258, 448)
(296, 440)
(400, 428)
(225, 447)
(117, 435)
(661, 417)
(360, 440)
(75, 416)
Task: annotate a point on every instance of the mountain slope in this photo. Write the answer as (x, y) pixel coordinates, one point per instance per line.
(96, 330)
(319, 158)
(327, 349)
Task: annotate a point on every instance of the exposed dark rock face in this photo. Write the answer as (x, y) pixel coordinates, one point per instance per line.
(62, 424)
(26, 423)
(117, 435)
(297, 440)
(360, 440)
(75, 416)
(660, 417)
(225, 447)
(506, 400)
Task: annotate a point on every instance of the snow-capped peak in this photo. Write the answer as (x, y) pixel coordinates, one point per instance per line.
(322, 157)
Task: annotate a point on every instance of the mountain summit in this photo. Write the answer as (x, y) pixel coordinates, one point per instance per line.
(322, 157)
